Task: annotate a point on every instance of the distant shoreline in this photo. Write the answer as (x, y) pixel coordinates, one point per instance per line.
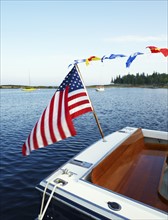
(92, 86)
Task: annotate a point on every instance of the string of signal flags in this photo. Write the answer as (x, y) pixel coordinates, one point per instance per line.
(130, 59)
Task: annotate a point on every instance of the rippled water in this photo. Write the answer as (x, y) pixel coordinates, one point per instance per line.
(115, 108)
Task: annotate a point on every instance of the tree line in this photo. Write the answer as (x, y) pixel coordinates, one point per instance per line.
(142, 79)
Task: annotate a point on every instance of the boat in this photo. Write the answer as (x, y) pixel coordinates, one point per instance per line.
(28, 89)
(100, 88)
(123, 176)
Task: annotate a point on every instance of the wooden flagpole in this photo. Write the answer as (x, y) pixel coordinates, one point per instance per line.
(94, 113)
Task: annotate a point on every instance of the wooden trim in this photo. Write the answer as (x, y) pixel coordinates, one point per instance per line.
(118, 158)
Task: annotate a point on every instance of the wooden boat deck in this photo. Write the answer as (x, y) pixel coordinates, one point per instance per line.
(135, 169)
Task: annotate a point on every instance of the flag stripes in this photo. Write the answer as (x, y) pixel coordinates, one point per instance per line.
(79, 104)
(55, 123)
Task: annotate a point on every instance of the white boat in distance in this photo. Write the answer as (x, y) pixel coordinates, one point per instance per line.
(100, 88)
(123, 177)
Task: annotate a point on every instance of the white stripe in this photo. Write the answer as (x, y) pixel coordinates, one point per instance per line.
(38, 133)
(76, 92)
(27, 147)
(63, 118)
(46, 125)
(82, 98)
(31, 140)
(55, 116)
(78, 108)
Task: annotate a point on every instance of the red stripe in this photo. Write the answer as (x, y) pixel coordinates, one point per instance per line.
(59, 124)
(24, 149)
(50, 120)
(77, 96)
(42, 130)
(78, 104)
(35, 142)
(28, 142)
(83, 111)
(67, 115)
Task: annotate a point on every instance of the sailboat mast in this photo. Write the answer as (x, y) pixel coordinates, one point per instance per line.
(29, 77)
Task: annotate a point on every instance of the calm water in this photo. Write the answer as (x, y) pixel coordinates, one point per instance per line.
(115, 108)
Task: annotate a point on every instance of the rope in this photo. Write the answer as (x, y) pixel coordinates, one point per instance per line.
(42, 212)
(42, 202)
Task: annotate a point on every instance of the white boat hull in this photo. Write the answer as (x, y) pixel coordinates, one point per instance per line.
(100, 89)
(74, 188)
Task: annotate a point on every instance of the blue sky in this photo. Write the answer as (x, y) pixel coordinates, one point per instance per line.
(42, 38)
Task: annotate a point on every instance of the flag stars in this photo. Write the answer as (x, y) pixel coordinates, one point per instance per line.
(72, 80)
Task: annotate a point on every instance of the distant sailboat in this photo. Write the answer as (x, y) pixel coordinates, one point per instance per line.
(28, 88)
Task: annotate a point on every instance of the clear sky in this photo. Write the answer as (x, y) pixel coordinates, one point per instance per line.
(41, 38)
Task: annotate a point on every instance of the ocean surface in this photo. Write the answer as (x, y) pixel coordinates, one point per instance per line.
(115, 107)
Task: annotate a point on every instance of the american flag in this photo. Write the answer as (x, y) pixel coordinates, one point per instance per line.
(69, 101)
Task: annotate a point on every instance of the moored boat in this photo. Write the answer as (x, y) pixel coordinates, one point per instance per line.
(100, 88)
(29, 89)
(122, 177)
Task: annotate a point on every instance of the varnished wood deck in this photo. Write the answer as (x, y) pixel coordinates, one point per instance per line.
(134, 169)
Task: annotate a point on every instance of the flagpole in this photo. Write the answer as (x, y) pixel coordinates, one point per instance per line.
(94, 113)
